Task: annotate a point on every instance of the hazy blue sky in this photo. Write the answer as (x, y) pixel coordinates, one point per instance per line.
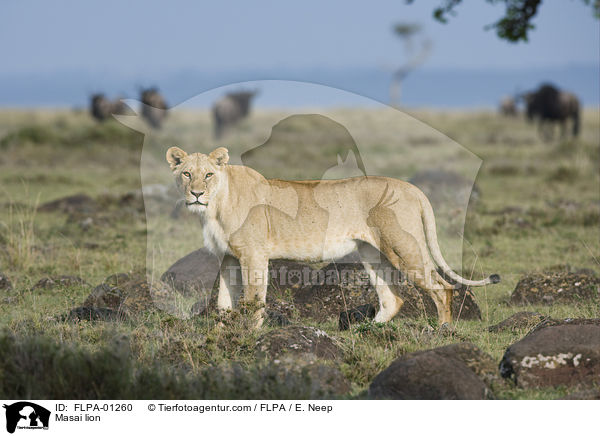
(152, 37)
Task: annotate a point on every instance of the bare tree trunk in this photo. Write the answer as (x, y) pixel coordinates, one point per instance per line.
(400, 74)
(395, 91)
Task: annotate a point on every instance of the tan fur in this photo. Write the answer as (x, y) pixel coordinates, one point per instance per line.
(248, 219)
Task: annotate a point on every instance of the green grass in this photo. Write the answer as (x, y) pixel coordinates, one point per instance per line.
(539, 207)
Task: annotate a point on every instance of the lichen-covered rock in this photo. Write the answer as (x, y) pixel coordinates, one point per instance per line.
(520, 320)
(299, 341)
(554, 287)
(567, 321)
(453, 372)
(56, 282)
(555, 353)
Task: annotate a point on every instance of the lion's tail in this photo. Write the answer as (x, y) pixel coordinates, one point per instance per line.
(436, 254)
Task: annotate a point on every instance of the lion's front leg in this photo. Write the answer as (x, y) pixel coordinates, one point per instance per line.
(255, 276)
(230, 284)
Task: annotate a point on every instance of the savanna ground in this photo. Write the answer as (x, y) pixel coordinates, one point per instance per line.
(539, 207)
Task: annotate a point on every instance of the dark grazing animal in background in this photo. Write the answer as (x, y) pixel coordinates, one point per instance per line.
(154, 107)
(230, 109)
(508, 107)
(101, 108)
(550, 105)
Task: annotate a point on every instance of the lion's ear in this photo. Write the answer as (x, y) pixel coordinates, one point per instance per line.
(174, 156)
(220, 156)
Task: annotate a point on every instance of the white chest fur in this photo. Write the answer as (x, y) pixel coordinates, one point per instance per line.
(214, 237)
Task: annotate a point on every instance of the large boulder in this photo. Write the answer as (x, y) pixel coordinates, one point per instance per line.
(556, 286)
(347, 286)
(454, 372)
(310, 290)
(194, 274)
(555, 353)
(321, 294)
(298, 341)
(520, 320)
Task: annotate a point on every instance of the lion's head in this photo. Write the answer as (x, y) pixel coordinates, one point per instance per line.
(198, 175)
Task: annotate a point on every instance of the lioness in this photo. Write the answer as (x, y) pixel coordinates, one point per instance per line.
(249, 219)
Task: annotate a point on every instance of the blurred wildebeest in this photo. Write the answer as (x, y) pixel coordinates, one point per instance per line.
(508, 106)
(550, 105)
(154, 107)
(230, 109)
(102, 108)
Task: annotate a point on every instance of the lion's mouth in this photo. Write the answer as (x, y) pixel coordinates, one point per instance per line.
(191, 203)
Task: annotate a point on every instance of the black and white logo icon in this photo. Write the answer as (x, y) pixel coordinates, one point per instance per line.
(26, 415)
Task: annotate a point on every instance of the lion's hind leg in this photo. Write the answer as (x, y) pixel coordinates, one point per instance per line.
(381, 273)
(409, 254)
(441, 293)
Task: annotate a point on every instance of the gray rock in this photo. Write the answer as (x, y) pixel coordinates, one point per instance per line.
(555, 353)
(453, 372)
(299, 341)
(194, 274)
(350, 288)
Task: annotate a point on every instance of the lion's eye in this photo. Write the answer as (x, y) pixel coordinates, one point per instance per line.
(208, 175)
(187, 174)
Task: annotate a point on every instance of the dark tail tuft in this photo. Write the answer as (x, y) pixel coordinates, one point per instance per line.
(494, 278)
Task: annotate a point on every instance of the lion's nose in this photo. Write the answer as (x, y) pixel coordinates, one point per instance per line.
(197, 194)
